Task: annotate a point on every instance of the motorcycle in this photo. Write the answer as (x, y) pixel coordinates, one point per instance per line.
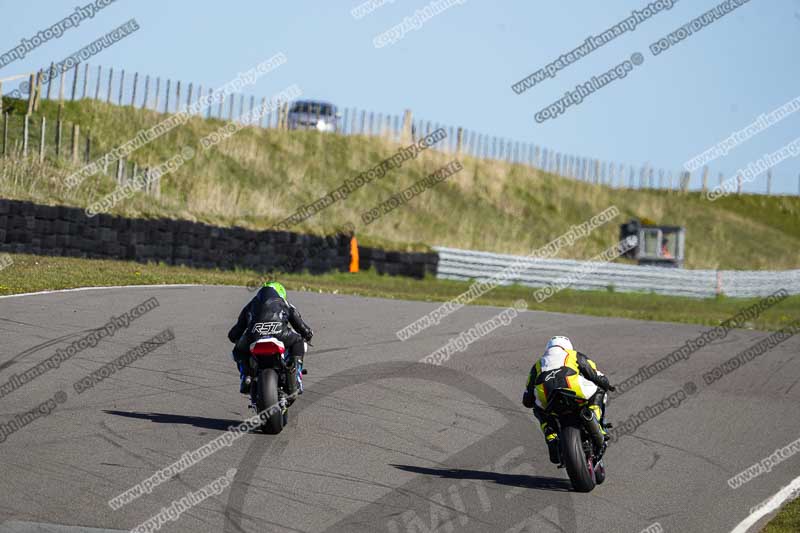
(581, 440)
(269, 371)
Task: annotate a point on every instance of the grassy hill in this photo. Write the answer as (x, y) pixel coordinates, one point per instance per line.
(258, 177)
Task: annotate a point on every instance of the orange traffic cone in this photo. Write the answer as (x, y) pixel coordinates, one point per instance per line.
(353, 254)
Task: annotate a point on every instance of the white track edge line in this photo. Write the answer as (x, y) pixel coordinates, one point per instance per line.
(77, 289)
(771, 505)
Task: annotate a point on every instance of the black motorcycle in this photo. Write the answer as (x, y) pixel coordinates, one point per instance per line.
(270, 371)
(581, 441)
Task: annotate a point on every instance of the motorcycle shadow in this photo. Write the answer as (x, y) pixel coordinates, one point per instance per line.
(165, 418)
(511, 480)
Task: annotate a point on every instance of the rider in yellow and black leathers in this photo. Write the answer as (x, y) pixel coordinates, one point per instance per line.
(562, 367)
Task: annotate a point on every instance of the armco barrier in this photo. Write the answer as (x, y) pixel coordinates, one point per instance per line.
(26, 227)
(465, 264)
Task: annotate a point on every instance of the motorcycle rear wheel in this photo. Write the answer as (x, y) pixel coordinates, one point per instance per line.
(268, 400)
(575, 460)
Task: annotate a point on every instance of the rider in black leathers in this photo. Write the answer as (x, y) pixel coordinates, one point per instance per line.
(268, 307)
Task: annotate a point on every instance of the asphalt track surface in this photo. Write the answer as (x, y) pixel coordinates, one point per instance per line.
(378, 442)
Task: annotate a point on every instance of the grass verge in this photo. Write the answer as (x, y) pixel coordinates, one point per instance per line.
(787, 520)
(31, 273)
(258, 177)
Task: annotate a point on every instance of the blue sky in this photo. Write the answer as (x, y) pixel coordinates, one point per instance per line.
(457, 69)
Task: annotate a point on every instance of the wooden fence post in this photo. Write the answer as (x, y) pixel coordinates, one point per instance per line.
(76, 132)
(178, 96)
(121, 87)
(32, 85)
(25, 131)
(61, 77)
(118, 173)
(58, 138)
(705, 178)
(230, 107)
(85, 80)
(5, 134)
(97, 88)
(738, 184)
(42, 141)
(189, 97)
(158, 91)
(262, 111)
(74, 82)
(769, 181)
(1, 97)
(88, 151)
(37, 94)
(687, 176)
(50, 79)
(208, 109)
(110, 82)
(146, 91)
(408, 118)
(166, 97)
(135, 83)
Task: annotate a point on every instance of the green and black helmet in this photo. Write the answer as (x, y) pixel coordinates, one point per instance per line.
(278, 288)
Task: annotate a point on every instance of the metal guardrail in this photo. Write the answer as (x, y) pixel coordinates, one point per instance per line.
(465, 264)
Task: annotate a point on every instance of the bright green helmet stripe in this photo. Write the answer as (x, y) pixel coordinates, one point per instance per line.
(278, 288)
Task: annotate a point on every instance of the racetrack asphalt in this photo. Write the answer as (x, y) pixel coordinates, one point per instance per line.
(379, 441)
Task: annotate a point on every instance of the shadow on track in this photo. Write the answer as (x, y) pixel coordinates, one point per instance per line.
(511, 480)
(165, 418)
(418, 499)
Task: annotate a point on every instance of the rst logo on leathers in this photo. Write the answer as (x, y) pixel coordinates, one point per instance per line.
(268, 328)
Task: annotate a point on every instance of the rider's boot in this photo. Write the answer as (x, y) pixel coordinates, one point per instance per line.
(601, 416)
(245, 380)
(300, 370)
(291, 380)
(551, 437)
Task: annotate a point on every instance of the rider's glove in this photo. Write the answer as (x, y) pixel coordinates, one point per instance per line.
(611, 388)
(308, 335)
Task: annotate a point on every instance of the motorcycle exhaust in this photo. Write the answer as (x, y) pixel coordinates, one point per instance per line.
(593, 426)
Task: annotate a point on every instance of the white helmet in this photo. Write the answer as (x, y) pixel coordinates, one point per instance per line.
(562, 342)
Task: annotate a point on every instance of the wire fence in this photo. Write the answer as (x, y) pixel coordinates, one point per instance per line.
(165, 95)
